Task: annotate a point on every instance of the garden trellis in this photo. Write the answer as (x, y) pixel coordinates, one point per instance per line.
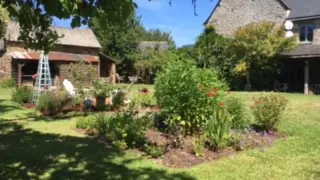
(43, 77)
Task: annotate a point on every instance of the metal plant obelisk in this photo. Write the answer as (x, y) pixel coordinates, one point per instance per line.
(43, 77)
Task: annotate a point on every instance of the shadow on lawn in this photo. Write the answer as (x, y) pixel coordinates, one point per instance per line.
(7, 107)
(27, 154)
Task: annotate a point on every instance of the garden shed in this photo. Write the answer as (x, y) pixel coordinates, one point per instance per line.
(20, 63)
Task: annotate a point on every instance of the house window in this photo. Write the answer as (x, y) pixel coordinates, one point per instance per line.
(306, 33)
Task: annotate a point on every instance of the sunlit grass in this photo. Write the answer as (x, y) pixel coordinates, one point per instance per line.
(53, 149)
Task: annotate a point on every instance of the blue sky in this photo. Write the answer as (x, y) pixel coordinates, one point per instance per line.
(178, 18)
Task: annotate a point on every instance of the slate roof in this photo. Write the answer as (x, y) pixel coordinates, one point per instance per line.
(306, 50)
(73, 37)
(54, 56)
(303, 8)
(300, 9)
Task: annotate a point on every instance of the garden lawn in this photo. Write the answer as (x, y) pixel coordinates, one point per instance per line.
(32, 147)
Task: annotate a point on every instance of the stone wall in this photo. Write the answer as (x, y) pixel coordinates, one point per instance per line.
(8, 68)
(232, 14)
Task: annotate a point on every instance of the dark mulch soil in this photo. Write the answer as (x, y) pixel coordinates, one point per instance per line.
(180, 158)
(184, 157)
(157, 138)
(29, 105)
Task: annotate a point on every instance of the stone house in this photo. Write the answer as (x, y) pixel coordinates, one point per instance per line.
(301, 66)
(20, 63)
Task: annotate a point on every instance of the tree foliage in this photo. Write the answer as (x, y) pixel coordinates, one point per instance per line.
(119, 40)
(158, 35)
(258, 46)
(213, 51)
(147, 65)
(36, 16)
(4, 17)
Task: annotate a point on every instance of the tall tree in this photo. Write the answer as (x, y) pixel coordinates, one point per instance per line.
(158, 35)
(119, 40)
(258, 46)
(4, 17)
(36, 16)
(213, 51)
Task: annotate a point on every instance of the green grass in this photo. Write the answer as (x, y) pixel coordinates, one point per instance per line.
(36, 148)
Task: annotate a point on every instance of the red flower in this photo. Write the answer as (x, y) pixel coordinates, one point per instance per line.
(222, 104)
(216, 92)
(144, 91)
(210, 93)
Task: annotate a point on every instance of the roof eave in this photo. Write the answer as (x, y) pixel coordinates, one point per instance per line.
(304, 18)
(214, 9)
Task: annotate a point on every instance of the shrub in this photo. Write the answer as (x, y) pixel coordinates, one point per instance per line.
(237, 109)
(268, 108)
(218, 128)
(154, 151)
(144, 97)
(7, 83)
(123, 127)
(185, 91)
(86, 123)
(198, 145)
(118, 99)
(50, 103)
(22, 95)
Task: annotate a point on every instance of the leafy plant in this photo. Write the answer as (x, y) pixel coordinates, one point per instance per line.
(85, 78)
(144, 97)
(257, 47)
(237, 109)
(120, 144)
(199, 145)
(118, 99)
(4, 18)
(50, 103)
(218, 128)
(154, 151)
(86, 123)
(122, 127)
(7, 83)
(22, 95)
(268, 108)
(185, 91)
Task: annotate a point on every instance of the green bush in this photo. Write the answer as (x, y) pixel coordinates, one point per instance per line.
(237, 109)
(118, 100)
(22, 95)
(86, 123)
(123, 127)
(51, 104)
(154, 151)
(268, 108)
(7, 83)
(187, 94)
(218, 128)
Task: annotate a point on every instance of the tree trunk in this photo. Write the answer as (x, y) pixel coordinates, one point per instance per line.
(248, 85)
